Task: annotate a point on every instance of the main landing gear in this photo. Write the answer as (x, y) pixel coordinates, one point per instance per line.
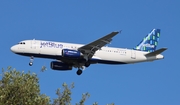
(31, 61)
(81, 68)
(79, 72)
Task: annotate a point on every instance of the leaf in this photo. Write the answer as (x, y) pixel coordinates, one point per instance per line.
(43, 68)
(21, 88)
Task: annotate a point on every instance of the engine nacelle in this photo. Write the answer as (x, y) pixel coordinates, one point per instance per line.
(60, 66)
(71, 53)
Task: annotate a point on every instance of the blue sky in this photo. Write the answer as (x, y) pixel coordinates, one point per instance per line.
(151, 83)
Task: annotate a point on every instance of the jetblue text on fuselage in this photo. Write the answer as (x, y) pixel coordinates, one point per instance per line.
(50, 44)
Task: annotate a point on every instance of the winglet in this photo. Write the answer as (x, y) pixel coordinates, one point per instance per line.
(159, 51)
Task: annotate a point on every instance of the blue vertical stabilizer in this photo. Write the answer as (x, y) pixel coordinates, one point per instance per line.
(150, 42)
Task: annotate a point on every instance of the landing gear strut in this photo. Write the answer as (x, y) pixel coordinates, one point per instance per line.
(87, 64)
(79, 72)
(31, 61)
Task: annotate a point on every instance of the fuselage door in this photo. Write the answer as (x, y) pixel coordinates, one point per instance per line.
(33, 44)
(133, 54)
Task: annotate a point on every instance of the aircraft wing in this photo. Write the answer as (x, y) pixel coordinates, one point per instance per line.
(88, 50)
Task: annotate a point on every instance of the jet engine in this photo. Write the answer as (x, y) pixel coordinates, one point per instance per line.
(71, 53)
(60, 66)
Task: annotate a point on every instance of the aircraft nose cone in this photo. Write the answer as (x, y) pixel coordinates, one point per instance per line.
(13, 48)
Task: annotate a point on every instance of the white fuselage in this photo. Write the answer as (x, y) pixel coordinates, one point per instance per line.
(106, 55)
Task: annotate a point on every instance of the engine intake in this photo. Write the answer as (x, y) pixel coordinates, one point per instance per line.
(71, 53)
(60, 66)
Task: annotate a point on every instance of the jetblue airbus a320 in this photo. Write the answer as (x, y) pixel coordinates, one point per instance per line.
(69, 55)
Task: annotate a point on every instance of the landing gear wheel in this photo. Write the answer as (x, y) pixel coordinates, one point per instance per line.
(30, 63)
(79, 72)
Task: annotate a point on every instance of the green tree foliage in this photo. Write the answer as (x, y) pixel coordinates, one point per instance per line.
(19, 88)
(64, 96)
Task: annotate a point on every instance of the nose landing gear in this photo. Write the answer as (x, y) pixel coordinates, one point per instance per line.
(31, 61)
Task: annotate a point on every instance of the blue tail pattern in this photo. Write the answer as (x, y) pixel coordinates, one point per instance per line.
(150, 42)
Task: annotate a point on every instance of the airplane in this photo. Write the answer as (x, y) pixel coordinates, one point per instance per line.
(70, 55)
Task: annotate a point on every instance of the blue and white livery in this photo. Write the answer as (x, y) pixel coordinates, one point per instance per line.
(69, 55)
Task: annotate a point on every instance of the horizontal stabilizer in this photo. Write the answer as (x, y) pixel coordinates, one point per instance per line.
(159, 51)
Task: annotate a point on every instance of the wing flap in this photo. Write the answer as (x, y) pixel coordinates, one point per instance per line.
(89, 49)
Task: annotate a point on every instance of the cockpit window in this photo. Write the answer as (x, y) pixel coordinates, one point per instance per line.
(21, 43)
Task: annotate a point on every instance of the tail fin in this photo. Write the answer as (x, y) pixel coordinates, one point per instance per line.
(150, 42)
